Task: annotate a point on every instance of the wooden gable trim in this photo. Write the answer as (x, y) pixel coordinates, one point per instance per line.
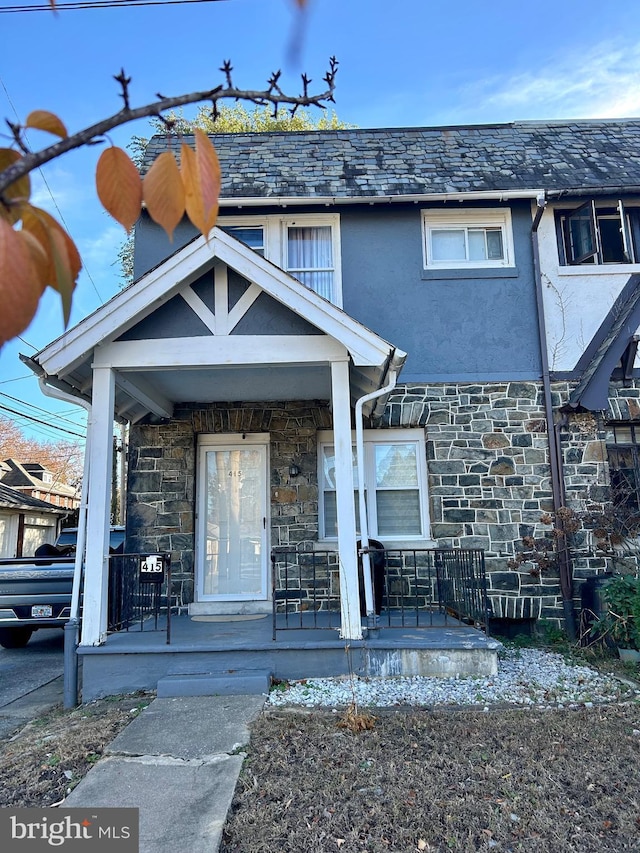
(180, 271)
(216, 351)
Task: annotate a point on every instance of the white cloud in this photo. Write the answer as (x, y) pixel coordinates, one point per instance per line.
(601, 82)
(57, 190)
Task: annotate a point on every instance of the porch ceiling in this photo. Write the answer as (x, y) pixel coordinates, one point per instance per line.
(222, 384)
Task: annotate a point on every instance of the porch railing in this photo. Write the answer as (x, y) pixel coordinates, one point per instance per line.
(422, 588)
(135, 604)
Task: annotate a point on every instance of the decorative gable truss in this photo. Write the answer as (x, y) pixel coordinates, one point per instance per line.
(145, 335)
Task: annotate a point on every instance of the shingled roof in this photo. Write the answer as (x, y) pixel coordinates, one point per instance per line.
(559, 156)
(13, 499)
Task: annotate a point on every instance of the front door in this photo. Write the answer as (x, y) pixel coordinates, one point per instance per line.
(232, 518)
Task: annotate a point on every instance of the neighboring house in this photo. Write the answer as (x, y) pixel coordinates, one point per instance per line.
(455, 291)
(34, 480)
(26, 523)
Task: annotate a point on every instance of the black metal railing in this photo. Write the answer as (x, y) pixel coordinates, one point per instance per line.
(423, 588)
(134, 603)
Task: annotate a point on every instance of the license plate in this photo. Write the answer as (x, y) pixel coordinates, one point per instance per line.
(41, 610)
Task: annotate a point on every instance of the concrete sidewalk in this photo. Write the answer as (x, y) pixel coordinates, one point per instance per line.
(178, 762)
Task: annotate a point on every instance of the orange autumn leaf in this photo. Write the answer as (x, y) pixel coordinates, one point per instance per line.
(39, 258)
(119, 186)
(17, 191)
(43, 120)
(163, 192)
(200, 172)
(209, 174)
(64, 263)
(19, 287)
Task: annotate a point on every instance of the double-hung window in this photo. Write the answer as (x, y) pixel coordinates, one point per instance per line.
(477, 238)
(307, 246)
(395, 482)
(603, 233)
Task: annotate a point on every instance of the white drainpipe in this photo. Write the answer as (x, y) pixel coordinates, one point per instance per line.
(392, 374)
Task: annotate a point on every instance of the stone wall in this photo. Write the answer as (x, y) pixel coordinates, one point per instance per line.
(489, 479)
(162, 471)
(488, 469)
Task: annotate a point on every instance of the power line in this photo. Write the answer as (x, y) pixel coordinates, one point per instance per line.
(100, 4)
(58, 416)
(38, 421)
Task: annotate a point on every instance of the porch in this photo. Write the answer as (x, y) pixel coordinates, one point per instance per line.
(429, 609)
(237, 654)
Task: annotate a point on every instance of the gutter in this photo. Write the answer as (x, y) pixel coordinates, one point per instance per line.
(553, 430)
(72, 627)
(408, 198)
(394, 366)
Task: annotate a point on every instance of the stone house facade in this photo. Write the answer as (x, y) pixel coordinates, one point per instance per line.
(466, 296)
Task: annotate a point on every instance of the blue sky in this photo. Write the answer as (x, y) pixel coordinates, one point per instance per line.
(408, 63)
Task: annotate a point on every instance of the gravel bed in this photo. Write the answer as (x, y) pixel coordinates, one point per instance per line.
(526, 677)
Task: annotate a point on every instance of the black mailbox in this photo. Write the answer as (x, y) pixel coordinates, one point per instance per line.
(153, 567)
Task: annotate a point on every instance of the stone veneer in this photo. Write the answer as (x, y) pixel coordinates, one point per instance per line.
(162, 460)
(487, 458)
(490, 479)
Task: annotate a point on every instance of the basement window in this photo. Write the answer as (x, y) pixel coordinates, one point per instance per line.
(624, 468)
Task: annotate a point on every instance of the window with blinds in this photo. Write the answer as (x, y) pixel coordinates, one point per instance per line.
(395, 485)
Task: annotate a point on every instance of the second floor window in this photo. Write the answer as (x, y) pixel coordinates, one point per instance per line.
(593, 233)
(476, 238)
(306, 246)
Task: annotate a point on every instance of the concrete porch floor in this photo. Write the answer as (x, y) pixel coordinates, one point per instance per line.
(239, 655)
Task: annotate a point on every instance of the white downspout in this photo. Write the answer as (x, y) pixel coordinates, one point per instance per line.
(362, 506)
(71, 634)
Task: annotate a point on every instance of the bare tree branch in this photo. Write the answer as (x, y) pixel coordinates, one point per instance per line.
(91, 135)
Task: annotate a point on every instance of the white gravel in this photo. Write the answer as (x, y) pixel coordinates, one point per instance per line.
(526, 677)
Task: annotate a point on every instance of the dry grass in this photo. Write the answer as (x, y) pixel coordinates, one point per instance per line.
(48, 757)
(556, 781)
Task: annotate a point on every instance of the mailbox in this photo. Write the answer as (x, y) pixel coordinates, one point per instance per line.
(153, 567)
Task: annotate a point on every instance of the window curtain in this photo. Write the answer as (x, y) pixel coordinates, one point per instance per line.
(310, 257)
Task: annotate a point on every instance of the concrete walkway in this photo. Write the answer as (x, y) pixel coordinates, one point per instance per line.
(178, 762)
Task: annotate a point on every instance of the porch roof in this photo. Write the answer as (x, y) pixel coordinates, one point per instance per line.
(179, 335)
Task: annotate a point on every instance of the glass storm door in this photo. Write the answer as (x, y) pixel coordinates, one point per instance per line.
(232, 521)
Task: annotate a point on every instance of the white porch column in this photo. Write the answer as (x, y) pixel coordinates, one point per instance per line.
(96, 572)
(351, 626)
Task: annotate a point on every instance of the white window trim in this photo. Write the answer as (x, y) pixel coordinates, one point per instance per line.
(385, 436)
(493, 217)
(585, 269)
(275, 246)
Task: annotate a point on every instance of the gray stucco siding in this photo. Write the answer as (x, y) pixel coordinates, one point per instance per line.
(467, 328)
(174, 319)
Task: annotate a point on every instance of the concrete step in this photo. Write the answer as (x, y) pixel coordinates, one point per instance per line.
(229, 683)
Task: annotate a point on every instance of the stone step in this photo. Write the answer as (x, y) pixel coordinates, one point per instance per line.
(229, 683)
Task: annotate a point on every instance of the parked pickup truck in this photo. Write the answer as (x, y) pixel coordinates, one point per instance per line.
(35, 592)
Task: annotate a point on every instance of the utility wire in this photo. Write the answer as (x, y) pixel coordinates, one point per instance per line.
(39, 421)
(38, 409)
(99, 4)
